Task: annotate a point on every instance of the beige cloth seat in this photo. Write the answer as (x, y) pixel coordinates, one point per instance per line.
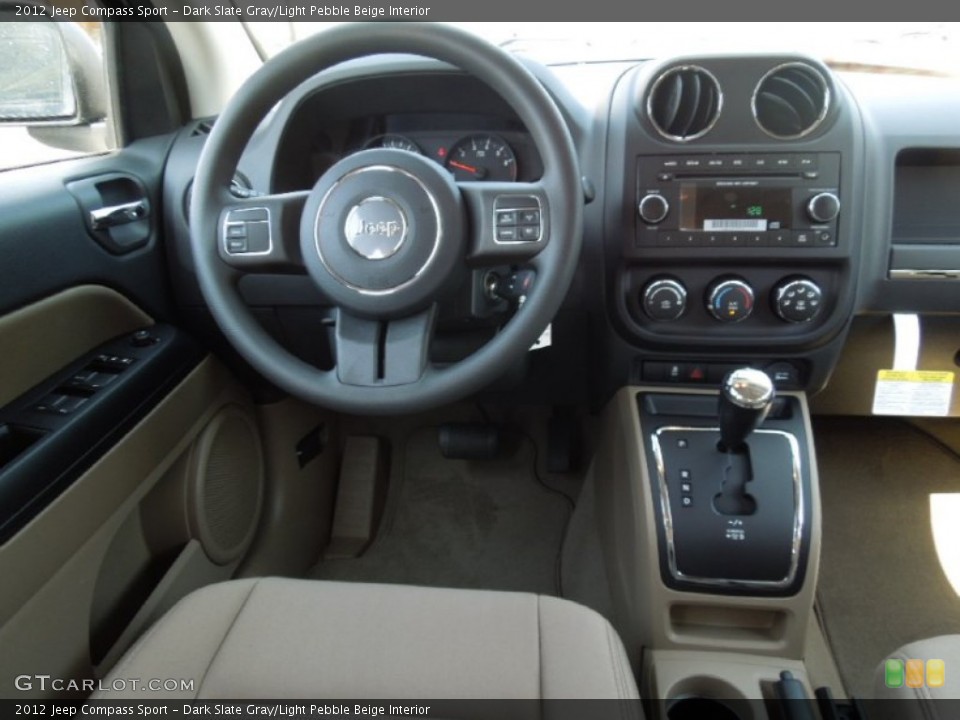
(281, 638)
(944, 647)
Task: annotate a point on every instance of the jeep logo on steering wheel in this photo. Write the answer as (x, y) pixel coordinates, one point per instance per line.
(376, 228)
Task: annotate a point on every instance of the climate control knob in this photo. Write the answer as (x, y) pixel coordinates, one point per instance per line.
(664, 299)
(797, 300)
(653, 208)
(823, 207)
(730, 300)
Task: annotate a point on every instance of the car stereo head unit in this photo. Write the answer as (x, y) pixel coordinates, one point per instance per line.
(743, 200)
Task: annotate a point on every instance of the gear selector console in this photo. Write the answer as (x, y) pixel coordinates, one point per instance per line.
(730, 479)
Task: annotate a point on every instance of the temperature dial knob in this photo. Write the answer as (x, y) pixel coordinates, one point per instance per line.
(730, 300)
(797, 300)
(653, 208)
(823, 207)
(664, 299)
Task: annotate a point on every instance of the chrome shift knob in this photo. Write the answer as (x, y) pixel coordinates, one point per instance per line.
(746, 396)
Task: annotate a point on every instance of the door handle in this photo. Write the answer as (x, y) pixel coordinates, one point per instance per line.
(108, 217)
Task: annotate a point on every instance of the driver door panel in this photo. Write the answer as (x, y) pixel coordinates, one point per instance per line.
(102, 536)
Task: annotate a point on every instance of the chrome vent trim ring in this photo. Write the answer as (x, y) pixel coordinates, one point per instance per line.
(695, 92)
(793, 90)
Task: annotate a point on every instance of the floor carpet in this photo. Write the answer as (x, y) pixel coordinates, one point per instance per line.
(464, 524)
(881, 583)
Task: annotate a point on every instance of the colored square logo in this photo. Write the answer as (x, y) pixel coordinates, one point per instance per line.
(936, 673)
(893, 673)
(914, 673)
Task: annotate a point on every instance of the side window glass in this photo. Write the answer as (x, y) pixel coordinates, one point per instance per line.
(53, 89)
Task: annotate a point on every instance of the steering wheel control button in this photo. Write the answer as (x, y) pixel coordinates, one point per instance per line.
(247, 232)
(797, 300)
(730, 300)
(653, 208)
(376, 228)
(517, 218)
(664, 299)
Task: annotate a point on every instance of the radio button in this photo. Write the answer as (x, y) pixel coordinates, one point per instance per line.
(653, 208)
(823, 207)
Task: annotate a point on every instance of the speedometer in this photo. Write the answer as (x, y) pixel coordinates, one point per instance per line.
(482, 157)
(394, 142)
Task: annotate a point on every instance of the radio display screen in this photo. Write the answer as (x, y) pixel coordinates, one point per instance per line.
(735, 209)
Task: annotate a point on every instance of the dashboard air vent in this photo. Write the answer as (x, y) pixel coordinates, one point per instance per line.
(684, 103)
(791, 101)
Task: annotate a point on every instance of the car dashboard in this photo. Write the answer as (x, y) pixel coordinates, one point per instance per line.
(739, 209)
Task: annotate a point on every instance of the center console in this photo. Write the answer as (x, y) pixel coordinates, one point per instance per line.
(708, 511)
(732, 245)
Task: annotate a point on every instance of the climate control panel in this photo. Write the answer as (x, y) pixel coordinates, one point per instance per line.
(729, 299)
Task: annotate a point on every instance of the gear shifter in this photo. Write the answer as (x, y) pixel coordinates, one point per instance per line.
(746, 396)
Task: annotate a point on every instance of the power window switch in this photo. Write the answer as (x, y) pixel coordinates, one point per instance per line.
(113, 363)
(70, 404)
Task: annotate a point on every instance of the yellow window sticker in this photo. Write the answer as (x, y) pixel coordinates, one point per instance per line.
(924, 393)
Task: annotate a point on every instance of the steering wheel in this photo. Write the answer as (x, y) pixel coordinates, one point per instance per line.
(384, 232)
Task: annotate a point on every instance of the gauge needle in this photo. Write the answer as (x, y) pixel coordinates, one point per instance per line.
(461, 166)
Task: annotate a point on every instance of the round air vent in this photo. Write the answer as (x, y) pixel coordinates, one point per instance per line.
(684, 103)
(791, 101)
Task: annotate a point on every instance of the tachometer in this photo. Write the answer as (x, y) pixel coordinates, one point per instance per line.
(482, 157)
(394, 142)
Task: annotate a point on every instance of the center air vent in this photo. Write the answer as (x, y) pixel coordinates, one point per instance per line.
(791, 101)
(684, 103)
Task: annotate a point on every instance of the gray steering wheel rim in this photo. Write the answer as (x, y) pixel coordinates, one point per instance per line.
(556, 263)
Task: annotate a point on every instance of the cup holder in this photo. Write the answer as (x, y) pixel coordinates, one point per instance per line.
(702, 696)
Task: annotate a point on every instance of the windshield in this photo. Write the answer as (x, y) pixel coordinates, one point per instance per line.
(920, 47)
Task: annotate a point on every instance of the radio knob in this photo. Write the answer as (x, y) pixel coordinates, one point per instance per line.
(823, 207)
(730, 300)
(653, 208)
(797, 300)
(664, 299)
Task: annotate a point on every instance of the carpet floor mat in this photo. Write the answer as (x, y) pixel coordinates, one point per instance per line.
(881, 582)
(463, 524)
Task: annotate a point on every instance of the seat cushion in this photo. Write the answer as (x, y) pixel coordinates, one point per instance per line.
(281, 638)
(944, 647)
